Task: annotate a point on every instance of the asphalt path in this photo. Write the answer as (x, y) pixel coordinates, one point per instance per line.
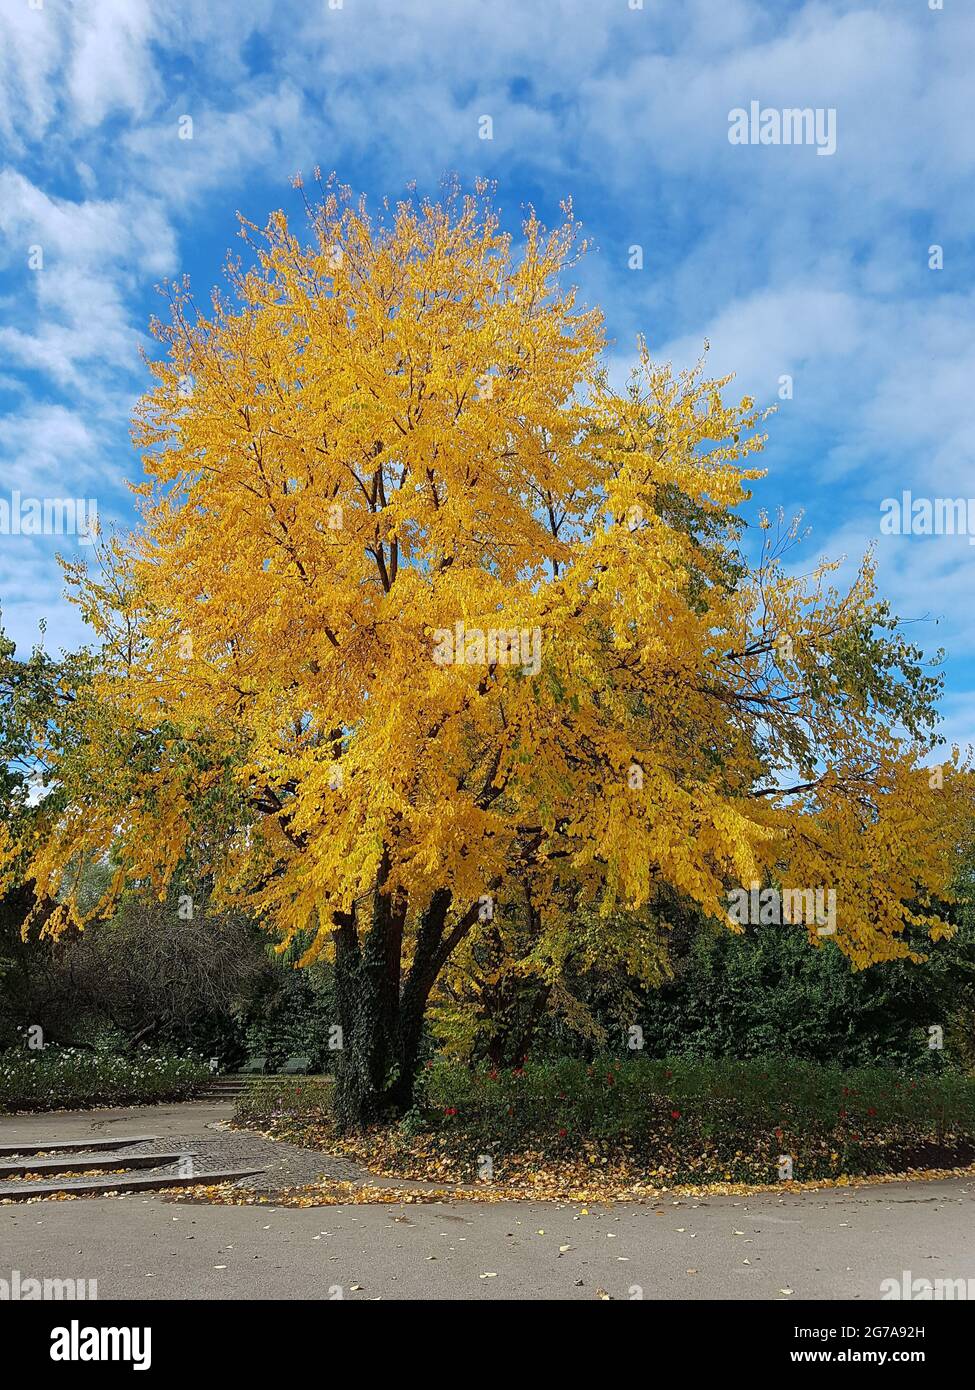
(830, 1244)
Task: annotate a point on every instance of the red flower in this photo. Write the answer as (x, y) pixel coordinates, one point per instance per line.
(675, 1114)
(450, 1110)
(871, 1110)
(563, 1133)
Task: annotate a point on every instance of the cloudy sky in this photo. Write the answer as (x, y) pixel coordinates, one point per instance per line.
(790, 262)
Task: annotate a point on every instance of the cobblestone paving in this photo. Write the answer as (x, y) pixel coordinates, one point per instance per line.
(201, 1129)
(282, 1165)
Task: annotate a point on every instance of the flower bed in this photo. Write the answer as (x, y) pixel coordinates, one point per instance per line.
(54, 1078)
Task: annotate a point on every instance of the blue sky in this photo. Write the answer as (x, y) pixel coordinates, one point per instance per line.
(788, 262)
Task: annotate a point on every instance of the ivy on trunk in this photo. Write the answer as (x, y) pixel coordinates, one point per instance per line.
(380, 1011)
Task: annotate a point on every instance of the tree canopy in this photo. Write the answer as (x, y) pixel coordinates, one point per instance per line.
(423, 615)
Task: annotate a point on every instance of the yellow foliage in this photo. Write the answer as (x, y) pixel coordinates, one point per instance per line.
(383, 450)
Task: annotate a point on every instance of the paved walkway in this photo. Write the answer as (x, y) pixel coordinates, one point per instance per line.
(826, 1245)
(837, 1243)
(195, 1117)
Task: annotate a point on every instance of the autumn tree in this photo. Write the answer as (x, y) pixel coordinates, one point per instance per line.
(34, 690)
(421, 612)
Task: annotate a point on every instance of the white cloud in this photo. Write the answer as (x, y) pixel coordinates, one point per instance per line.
(771, 333)
(31, 50)
(111, 68)
(46, 445)
(80, 61)
(76, 317)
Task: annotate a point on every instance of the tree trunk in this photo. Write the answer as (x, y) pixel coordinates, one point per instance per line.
(364, 1056)
(382, 1024)
(428, 958)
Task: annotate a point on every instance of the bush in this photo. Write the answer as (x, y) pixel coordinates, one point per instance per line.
(55, 1078)
(147, 975)
(289, 1015)
(768, 990)
(717, 994)
(695, 1120)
